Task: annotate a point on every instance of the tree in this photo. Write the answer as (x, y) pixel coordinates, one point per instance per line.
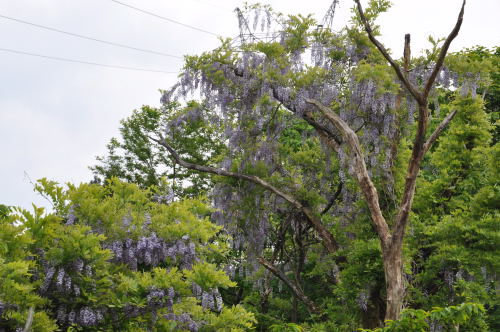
(451, 319)
(270, 73)
(132, 158)
(112, 258)
(315, 164)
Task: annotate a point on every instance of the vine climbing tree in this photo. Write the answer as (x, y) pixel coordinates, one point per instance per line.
(349, 95)
(312, 146)
(296, 178)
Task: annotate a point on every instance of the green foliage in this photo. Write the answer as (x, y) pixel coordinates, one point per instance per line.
(467, 315)
(231, 319)
(456, 218)
(33, 243)
(372, 12)
(379, 73)
(208, 277)
(287, 327)
(135, 158)
(298, 27)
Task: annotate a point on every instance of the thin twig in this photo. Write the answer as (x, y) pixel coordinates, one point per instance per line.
(29, 320)
(335, 196)
(35, 188)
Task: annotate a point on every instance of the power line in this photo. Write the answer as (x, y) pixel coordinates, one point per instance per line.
(89, 38)
(86, 62)
(165, 18)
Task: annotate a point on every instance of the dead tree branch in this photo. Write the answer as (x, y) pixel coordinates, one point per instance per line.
(327, 237)
(367, 186)
(443, 52)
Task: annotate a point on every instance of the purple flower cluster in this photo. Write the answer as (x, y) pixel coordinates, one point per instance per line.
(210, 299)
(71, 218)
(373, 116)
(435, 327)
(84, 316)
(184, 321)
(469, 85)
(228, 201)
(49, 273)
(60, 279)
(169, 95)
(362, 300)
(160, 298)
(152, 250)
(447, 78)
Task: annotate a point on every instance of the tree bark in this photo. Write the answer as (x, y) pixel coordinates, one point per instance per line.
(395, 289)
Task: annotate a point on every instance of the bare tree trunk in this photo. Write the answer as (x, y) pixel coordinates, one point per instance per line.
(392, 242)
(393, 269)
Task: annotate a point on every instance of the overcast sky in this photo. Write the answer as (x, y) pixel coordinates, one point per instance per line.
(55, 117)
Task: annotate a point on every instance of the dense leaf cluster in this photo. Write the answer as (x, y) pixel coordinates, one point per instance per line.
(110, 258)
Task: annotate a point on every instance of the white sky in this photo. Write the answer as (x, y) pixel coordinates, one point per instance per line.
(55, 117)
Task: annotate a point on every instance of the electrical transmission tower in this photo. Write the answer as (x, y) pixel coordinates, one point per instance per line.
(328, 19)
(246, 35)
(271, 25)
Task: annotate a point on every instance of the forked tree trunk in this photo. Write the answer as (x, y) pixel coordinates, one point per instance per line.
(392, 244)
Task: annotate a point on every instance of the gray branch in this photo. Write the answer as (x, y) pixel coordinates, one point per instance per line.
(443, 52)
(327, 237)
(413, 91)
(362, 176)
